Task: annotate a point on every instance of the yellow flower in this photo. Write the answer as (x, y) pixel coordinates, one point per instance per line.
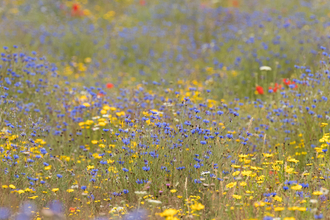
(120, 114)
(70, 190)
(231, 185)
(259, 204)
(317, 193)
(89, 167)
(48, 167)
(289, 218)
(279, 209)
(86, 104)
(236, 173)
(168, 213)
(243, 184)
(277, 198)
(4, 186)
(296, 187)
(102, 124)
(88, 60)
(290, 159)
(246, 173)
(28, 190)
(33, 197)
(293, 208)
(197, 206)
(323, 124)
(94, 141)
(237, 196)
(173, 190)
(81, 67)
(20, 191)
(12, 186)
(289, 170)
(55, 189)
(87, 13)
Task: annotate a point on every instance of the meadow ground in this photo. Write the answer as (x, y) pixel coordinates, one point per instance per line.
(140, 109)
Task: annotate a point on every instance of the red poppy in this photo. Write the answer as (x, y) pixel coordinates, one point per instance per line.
(72, 209)
(260, 90)
(203, 6)
(75, 10)
(235, 3)
(109, 85)
(288, 82)
(75, 7)
(99, 95)
(276, 87)
(142, 2)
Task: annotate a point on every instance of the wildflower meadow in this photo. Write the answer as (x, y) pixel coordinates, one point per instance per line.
(140, 109)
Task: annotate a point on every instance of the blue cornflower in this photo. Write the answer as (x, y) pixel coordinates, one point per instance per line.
(320, 216)
(146, 168)
(139, 181)
(197, 181)
(4, 213)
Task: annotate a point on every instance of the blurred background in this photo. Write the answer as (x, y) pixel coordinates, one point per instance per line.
(218, 42)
